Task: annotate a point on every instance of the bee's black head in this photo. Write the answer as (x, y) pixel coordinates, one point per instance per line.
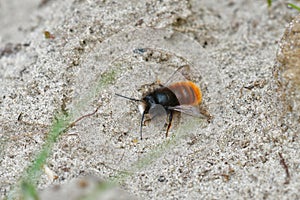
(148, 101)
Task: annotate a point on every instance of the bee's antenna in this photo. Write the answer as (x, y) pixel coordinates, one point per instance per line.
(132, 99)
(141, 126)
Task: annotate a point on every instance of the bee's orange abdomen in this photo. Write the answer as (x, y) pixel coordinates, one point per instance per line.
(187, 93)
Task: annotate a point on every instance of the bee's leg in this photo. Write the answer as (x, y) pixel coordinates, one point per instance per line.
(170, 122)
(146, 122)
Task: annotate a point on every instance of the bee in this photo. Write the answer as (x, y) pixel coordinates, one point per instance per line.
(184, 96)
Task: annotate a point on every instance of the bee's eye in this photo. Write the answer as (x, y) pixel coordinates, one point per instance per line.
(150, 100)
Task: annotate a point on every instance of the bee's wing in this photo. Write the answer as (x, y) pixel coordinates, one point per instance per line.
(182, 73)
(189, 110)
(157, 111)
(158, 116)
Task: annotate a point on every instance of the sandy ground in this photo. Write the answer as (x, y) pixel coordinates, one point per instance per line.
(93, 49)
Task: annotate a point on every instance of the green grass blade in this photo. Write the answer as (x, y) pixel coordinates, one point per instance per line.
(26, 186)
(294, 6)
(269, 3)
